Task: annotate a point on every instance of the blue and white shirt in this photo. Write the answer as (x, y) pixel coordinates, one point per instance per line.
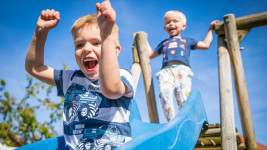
(176, 49)
(92, 121)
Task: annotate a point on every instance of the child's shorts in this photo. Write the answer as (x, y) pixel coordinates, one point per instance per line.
(175, 79)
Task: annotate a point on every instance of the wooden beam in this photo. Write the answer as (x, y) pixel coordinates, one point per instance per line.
(226, 97)
(211, 132)
(210, 138)
(240, 83)
(246, 22)
(141, 46)
(242, 33)
(217, 147)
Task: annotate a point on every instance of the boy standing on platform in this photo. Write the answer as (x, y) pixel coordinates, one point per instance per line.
(176, 75)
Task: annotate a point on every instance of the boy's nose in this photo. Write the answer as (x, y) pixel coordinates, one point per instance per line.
(88, 47)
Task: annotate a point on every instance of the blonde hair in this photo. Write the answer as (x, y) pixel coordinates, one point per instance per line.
(91, 20)
(181, 15)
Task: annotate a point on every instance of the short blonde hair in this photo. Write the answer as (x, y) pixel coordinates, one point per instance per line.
(90, 20)
(182, 16)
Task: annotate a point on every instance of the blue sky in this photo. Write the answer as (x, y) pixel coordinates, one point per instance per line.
(18, 20)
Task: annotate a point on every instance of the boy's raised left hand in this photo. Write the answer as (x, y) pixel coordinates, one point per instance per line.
(212, 24)
(106, 17)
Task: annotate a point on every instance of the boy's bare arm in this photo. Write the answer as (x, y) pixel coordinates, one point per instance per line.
(34, 63)
(109, 74)
(207, 41)
(151, 53)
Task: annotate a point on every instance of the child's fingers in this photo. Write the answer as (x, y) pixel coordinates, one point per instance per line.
(105, 10)
(57, 15)
(103, 6)
(98, 7)
(51, 14)
(46, 15)
(215, 21)
(102, 9)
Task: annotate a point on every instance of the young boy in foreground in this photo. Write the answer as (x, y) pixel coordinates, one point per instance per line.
(98, 96)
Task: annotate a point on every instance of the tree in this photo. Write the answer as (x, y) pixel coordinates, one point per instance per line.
(18, 123)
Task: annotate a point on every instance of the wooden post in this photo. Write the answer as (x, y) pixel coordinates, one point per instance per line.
(228, 132)
(141, 46)
(135, 69)
(240, 84)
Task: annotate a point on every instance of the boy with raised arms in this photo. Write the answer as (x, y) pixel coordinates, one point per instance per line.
(98, 95)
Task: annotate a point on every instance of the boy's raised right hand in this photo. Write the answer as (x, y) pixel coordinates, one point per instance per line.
(106, 17)
(48, 20)
(34, 63)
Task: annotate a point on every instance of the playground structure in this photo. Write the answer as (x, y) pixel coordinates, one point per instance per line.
(230, 32)
(190, 128)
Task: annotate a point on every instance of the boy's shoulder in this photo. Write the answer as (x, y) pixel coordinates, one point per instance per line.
(63, 78)
(188, 40)
(181, 38)
(66, 78)
(77, 73)
(68, 74)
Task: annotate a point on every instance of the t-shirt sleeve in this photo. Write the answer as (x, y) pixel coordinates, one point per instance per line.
(193, 43)
(158, 49)
(59, 83)
(62, 77)
(127, 79)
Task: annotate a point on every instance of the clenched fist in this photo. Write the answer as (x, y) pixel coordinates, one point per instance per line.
(48, 20)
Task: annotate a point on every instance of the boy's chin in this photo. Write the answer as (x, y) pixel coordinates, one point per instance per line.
(173, 34)
(91, 74)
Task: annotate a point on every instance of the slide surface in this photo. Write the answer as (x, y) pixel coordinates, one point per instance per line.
(180, 133)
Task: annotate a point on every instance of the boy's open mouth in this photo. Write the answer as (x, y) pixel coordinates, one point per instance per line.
(90, 64)
(171, 30)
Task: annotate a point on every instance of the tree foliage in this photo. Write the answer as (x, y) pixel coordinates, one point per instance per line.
(18, 119)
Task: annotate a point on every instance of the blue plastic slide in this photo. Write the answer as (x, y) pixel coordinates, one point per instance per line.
(180, 133)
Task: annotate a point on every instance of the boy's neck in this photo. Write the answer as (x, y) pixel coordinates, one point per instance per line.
(177, 36)
(91, 79)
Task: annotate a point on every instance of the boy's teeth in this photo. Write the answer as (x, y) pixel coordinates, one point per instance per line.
(89, 60)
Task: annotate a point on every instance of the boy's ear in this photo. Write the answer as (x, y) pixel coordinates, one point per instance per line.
(184, 26)
(118, 49)
(164, 27)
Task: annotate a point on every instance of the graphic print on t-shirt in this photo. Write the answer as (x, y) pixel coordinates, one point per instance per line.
(104, 137)
(172, 45)
(80, 103)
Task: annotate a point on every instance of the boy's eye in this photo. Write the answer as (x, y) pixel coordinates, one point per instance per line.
(97, 43)
(78, 46)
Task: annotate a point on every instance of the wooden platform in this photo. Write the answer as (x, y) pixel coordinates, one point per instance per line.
(210, 138)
